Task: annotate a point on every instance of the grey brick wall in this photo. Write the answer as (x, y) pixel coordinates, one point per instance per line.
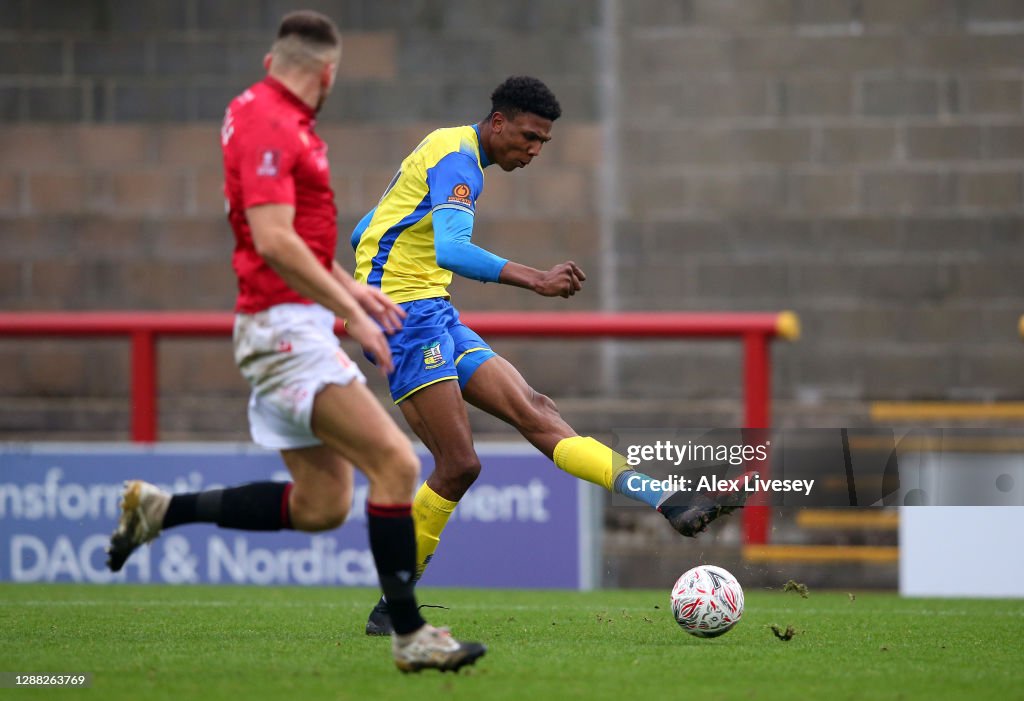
(858, 161)
(844, 166)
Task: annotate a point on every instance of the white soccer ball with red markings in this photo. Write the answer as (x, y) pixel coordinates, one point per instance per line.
(707, 601)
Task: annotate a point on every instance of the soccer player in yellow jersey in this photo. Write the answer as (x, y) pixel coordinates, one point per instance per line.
(410, 245)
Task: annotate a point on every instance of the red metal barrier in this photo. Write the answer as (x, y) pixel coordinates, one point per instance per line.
(145, 328)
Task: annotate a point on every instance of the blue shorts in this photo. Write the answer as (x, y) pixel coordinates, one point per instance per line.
(433, 346)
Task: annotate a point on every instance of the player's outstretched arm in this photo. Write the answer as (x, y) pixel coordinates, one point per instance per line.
(373, 301)
(285, 251)
(563, 280)
(453, 231)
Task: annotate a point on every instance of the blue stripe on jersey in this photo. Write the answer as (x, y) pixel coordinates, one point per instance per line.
(387, 241)
(360, 228)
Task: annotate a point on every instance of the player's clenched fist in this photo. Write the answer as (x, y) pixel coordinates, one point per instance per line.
(563, 280)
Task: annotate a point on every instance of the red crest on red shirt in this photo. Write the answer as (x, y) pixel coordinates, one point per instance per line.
(268, 164)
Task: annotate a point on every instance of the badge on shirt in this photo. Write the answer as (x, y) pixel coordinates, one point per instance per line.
(268, 164)
(460, 194)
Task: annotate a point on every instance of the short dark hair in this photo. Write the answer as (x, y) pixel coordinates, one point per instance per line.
(310, 26)
(521, 93)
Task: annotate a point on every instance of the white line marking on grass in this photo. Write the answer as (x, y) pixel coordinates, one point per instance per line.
(204, 603)
(854, 610)
(211, 604)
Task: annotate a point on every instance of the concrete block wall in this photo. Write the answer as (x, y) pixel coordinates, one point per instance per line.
(858, 161)
(110, 175)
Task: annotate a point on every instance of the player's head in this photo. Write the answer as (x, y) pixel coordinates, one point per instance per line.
(523, 110)
(307, 42)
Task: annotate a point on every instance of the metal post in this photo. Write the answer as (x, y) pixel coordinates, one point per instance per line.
(757, 380)
(144, 410)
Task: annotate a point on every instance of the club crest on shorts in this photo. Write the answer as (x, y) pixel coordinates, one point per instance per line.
(432, 357)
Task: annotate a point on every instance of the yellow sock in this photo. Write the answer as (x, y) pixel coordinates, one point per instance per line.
(430, 513)
(589, 460)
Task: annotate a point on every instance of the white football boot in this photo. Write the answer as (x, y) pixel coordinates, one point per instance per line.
(143, 506)
(433, 648)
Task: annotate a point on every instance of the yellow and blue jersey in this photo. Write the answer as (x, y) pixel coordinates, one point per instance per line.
(400, 245)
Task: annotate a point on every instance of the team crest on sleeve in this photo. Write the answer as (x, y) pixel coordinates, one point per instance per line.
(460, 195)
(432, 357)
(268, 164)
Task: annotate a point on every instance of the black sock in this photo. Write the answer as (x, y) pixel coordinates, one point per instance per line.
(393, 542)
(260, 506)
(182, 509)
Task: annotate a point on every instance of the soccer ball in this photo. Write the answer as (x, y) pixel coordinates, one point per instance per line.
(707, 601)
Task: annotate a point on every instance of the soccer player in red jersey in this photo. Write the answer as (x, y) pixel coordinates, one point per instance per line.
(308, 398)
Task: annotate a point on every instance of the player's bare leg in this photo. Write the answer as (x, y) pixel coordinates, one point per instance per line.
(321, 493)
(349, 420)
(354, 428)
(449, 439)
(499, 389)
(437, 415)
(317, 499)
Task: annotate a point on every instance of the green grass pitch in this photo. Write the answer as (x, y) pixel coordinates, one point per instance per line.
(253, 643)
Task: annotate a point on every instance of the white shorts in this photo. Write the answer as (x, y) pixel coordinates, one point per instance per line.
(288, 353)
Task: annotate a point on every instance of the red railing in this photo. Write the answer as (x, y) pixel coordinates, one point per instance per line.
(144, 328)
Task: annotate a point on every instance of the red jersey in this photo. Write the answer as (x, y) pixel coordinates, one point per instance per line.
(272, 156)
